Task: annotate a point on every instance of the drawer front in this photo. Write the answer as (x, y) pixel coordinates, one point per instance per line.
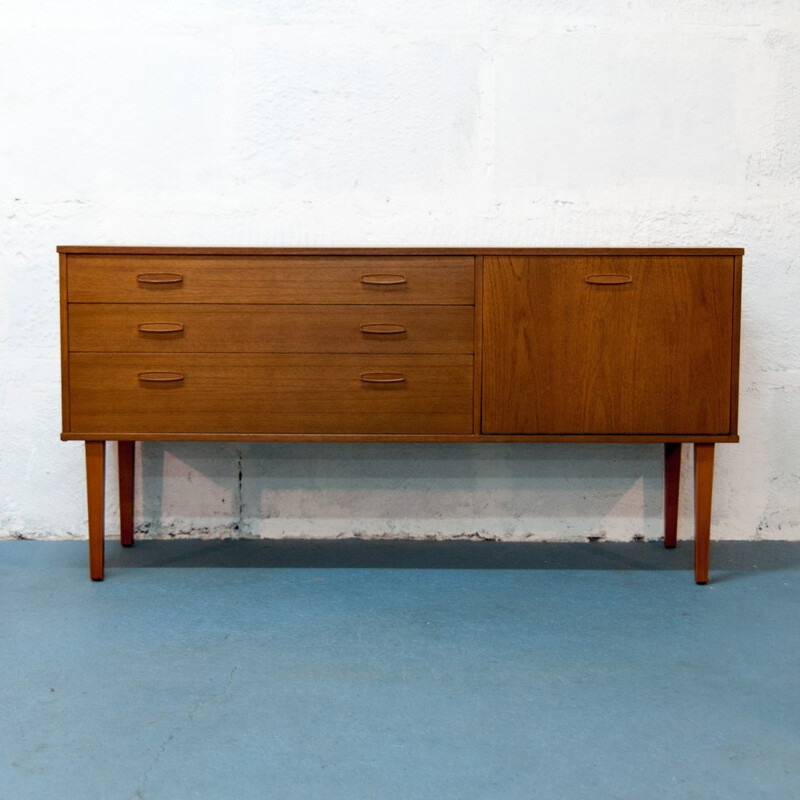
(302, 394)
(271, 279)
(134, 327)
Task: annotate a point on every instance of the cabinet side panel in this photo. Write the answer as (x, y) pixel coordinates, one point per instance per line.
(735, 342)
(64, 313)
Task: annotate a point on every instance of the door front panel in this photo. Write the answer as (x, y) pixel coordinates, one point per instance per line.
(607, 344)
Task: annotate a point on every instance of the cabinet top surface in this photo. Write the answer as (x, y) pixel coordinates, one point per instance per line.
(333, 251)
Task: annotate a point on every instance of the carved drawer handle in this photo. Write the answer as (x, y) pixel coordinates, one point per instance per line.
(160, 377)
(608, 280)
(159, 277)
(383, 377)
(160, 327)
(383, 328)
(383, 280)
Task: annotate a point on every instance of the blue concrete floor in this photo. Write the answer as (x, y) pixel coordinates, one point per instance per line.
(398, 670)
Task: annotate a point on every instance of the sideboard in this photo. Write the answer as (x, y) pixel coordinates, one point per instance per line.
(400, 345)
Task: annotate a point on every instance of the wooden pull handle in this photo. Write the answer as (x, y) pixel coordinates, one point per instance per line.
(383, 280)
(383, 377)
(160, 377)
(160, 327)
(608, 280)
(159, 277)
(383, 328)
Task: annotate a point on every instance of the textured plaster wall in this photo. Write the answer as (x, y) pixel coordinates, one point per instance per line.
(356, 122)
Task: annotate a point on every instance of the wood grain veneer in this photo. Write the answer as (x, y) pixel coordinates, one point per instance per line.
(272, 279)
(224, 393)
(234, 328)
(608, 344)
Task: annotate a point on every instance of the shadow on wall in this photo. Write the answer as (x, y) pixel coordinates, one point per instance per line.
(371, 490)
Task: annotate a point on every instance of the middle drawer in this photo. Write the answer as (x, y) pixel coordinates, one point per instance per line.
(226, 328)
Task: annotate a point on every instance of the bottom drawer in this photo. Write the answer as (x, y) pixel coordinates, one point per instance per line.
(197, 393)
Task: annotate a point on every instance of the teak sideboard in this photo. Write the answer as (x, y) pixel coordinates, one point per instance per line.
(400, 345)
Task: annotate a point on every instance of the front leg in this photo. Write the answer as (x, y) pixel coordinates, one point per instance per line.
(95, 491)
(703, 484)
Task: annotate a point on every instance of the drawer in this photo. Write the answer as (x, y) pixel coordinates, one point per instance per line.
(304, 394)
(271, 279)
(136, 327)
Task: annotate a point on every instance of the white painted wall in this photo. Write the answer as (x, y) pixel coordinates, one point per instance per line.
(381, 122)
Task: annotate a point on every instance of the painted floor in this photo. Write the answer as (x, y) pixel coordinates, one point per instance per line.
(399, 670)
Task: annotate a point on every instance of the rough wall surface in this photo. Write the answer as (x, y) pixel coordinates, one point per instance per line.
(322, 122)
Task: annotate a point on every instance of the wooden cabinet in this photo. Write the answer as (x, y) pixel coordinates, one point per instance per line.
(427, 345)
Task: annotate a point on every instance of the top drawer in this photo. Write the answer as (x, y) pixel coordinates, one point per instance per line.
(443, 280)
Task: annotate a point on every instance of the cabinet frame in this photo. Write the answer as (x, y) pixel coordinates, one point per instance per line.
(703, 444)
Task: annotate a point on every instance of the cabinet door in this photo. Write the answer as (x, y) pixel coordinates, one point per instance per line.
(607, 344)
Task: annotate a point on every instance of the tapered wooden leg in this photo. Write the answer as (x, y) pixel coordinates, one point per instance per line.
(703, 484)
(125, 455)
(672, 484)
(95, 490)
